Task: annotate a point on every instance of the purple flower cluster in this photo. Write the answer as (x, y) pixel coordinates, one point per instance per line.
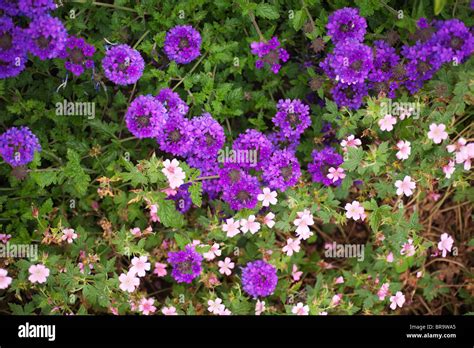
(145, 117)
(186, 264)
(253, 140)
(78, 55)
(358, 69)
(269, 53)
(243, 193)
(123, 65)
(259, 279)
(322, 161)
(182, 199)
(292, 117)
(176, 136)
(172, 102)
(18, 146)
(283, 170)
(182, 44)
(208, 137)
(47, 37)
(33, 8)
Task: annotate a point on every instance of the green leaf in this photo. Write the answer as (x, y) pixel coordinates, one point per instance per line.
(195, 190)
(299, 20)
(77, 181)
(438, 6)
(267, 11)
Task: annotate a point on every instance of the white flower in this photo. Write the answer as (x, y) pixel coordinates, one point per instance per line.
(231, 227)
(249, 225)
(267, 197)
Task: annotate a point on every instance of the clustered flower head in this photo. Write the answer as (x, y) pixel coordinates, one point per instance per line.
(47, 37)
(292, 117)
(186, 264)
(78, 55)
(253, 140)
(123, 65)
(345, 24)
(33, 8)
(18, 146)
(183, 44)
(259, 279)
(282, 171)
(322, 161)
(269, 53)
(145, 117)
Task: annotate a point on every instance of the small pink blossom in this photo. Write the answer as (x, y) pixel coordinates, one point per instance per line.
(335, 174)
(231, 227)
(68, 235)
(449, 169)
(355, 211)
(383, 291)
(226, 266)
(169, 310)
(339, 280)
(160, 269)
(38, 273)
(408, 249)
(249, 225)
(304, 219)
(404, 150)
(456, 147)
(5, 281)
(292, 246)
(387, 123)
(154, 213)
(445, 244)
(397, 300)
(405, 187)
(390, 257)
(128, 281)
(4, 238)
(213, 252)
(350, 141)
(419, 274)
(215, 306)
(259, 307)
(267, 197)
(295, 274)
(437, 133)
(336, 299)
(136, 231)
(173, 173)
(300, 309)
(323, 313)
(465, 154)
(140, 265)
(405, 112)
(268, 220)
(146, 306)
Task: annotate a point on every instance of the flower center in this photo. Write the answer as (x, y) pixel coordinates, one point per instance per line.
(243, 196)
(272, 58)
(293, 120)
(183, 43)
(349, 92)
(143, 121)
(175, 136)
(456, 43)
(185, 267)
(6, 41)
(76, 55)
(423, 67)
(43, 42)
(286, 172)
(209, 140)
(234, 175)
(356, 65)
(345, 28)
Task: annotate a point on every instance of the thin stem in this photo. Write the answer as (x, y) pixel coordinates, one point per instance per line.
(254, 22)
(190, 71)
(117, 7)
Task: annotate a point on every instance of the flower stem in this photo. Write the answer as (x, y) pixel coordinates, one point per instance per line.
(255, 25)
(103, 4)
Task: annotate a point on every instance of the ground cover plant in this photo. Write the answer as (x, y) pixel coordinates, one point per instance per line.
(236, 157)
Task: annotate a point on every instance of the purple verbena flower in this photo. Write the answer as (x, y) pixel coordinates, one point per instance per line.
(176, 136)
(292, 117)
(182, 199)
(35, 8)
(9, 7)
(243, 194)
(349, 96)
(172, 102)
(123, 65)
(349, 63)
(230, 174)
(386, 58)
(322, 161)
(281, 141)
(12, 40)
(47, 37)
(18, 146)
(346, 24)
(208, 137)
(253, 145)
(259, 279)
(78, 55)
(269, 53)
(282, 170)
(453, 41)
(186, 264)
(145, 117)
(182, 44)
(12, 67)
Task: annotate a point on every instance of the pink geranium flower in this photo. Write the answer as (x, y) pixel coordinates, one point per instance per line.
(335, 174)
(300, 309)
(387, 123)
(437, 133)
(231, 227)
(295, 274)
(292, 246)
(140, 265)
(160, 269)
(267, 197)
(405, 187)
(215, 306)
(38, 273)
(249, 224)
(268, 220)
(5, 281)
(304, 219)
(448, 169)
(397, 300)
(226, 266)
(408, 249)
(350, 141)
(404, 150)
(146, 306)
(445, 244)
(128, 281)
(213, 252)
(355, 211)
(68, 235)
(383, 291)
(169, 310)
(259, 307)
